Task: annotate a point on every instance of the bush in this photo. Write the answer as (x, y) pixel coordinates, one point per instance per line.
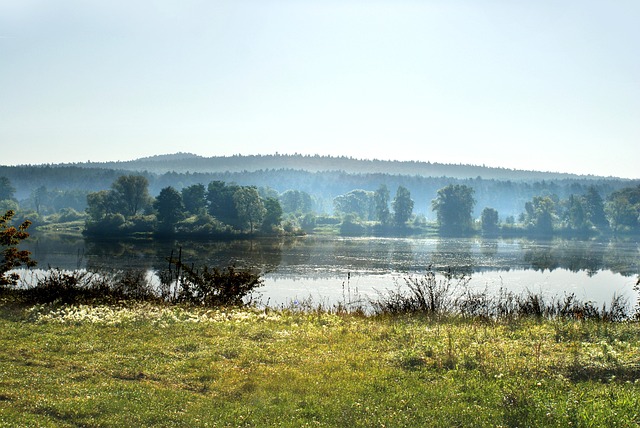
(327, 220)
(107, 225)
(67, 215)
(210, 286)
(80, 286)
(350, 227)
(308, 222)
(202, 224)
(141, 224)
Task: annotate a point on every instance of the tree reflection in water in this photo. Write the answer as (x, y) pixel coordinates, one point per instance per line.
(370, 262)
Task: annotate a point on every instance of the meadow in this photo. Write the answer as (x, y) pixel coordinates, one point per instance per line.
(154, 364)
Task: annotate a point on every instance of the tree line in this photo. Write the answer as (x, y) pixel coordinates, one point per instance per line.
(217, 209)
(223, 208)
(454, 204)
(66, 186)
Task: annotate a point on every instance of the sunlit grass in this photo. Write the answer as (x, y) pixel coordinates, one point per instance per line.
(155, 365)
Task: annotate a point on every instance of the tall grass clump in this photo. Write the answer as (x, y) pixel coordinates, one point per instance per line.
(426, 294)
(451, 295)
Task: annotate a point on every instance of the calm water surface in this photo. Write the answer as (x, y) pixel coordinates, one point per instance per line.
(332, 269)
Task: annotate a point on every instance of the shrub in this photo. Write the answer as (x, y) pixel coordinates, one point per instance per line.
(210, 286)
(141, 224)
(81, 286)
(67, 215)
(351, 227)
(202, 224)
(308, 222)
(108, 225)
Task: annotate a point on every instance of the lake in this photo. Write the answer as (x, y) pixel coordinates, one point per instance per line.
(329, 270)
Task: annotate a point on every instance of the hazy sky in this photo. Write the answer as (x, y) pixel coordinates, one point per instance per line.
(546, 84)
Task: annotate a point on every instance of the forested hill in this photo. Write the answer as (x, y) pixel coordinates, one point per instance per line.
(186, 162)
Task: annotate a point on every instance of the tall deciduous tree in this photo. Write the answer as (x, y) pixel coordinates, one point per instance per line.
(296, 201)
(273, 214)
(193, 198)
(101, 203)
(454, 205)
(132, 194)
(170, 209)
(489, 219)
(402, 206)
(541, 214)
(575, 214)
(249, 206)
(594, 206)
(358, 202)
(381, 200)
(623, 208)
(221, 203)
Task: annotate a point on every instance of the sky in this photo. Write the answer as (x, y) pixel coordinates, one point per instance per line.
(539, 85)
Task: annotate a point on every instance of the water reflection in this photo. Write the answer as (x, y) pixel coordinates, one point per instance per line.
(330, 268)
(588, 256)
(455, 253)
(489, 248)
(316, 257)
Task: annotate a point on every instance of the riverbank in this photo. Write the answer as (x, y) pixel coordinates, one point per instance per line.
(157, 365)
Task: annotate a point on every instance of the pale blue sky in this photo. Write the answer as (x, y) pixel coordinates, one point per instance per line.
(546, 85)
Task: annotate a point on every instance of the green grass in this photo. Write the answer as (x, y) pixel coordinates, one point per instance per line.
(146, 365)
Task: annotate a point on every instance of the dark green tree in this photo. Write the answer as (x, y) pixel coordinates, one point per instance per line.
(12, 257)
(454, 204)
(194, 198)
(131, 194)
(357, 202)
(489, 220)
(6, 189)
(104, 216)
(296, 202)
(272, 216)
(221, 203)
(623, 209)
(249, 207)
(169, 208)
(402, 206)
(381, 200)
(575, 214)
(594, 206)
(100, 204)
(541, 214)
(76, 199)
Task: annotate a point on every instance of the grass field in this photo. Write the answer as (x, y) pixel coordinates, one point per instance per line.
(154, 365)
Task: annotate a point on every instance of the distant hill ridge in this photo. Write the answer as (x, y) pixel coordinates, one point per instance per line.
(188, 162)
